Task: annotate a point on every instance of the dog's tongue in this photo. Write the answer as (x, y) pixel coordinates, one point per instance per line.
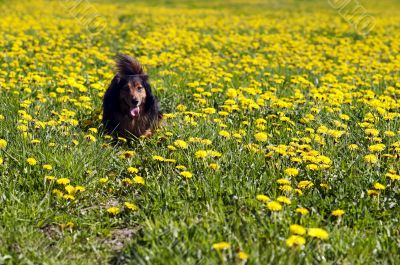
(135, 111)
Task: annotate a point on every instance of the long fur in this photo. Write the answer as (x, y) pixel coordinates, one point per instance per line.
(127, 65)
(115, 121)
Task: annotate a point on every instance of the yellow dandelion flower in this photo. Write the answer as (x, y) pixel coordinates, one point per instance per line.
(209, 110)
(286, 188)
(305, 184)
(63, 181)
(373, 192)
(376, 148)
(292, 172)
(138, 180)
(225, 134)
(231, 93)
(243, 255)
(298, 191)
(3, 144)
(70, 189)
(206, 141)
(261, 137)
(318, 233)
(237, 136)
(131, 206)
(113, 210)
(181, 144)
(297, 229)
(133, 170)
(283, 181)
(344, 117)
(201, 154)
(158, 158)
(379, 186)
(338, 212)
(372, 132)
(325, 186)
(296, 159)
(103, 180)
(389, 133)
(49, 178)
(262, 198)
(69, 197)
(371, 158)
(35, 141)
(284, 200)
(127, 154)
(180, 167)
(213, 166)
(181, 107)
(90, 138)
(31, 161)
(274, 206)
(377, 139)
(214, 154)
(127, 181)
(93, 130)
(393, 176)
(221, 245)
(302, 211)
(186, 174)
(47, 167)
(58, 193)
(312, 167)
(322, 129)
(294, 241)
(80, 188)
(172, 148)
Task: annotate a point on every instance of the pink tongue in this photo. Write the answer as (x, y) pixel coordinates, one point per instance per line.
(135, 111)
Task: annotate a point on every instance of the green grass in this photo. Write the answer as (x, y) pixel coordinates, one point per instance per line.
(180, 219)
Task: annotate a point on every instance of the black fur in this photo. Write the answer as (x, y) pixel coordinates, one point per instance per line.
(129, 68)
(127, 65)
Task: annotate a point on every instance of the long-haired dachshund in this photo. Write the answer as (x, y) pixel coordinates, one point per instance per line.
(129, 107)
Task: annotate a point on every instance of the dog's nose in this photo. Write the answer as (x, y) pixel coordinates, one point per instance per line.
(134, 102)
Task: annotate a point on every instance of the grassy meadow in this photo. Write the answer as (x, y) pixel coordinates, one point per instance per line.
(280, 145)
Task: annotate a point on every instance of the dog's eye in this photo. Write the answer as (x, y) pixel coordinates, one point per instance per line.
(140, 88)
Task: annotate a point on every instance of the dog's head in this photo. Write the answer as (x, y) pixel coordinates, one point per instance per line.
(135, 94)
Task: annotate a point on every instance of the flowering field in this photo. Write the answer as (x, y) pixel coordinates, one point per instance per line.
(280, 145)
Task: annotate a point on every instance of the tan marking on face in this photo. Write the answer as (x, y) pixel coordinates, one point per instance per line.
(137, 91)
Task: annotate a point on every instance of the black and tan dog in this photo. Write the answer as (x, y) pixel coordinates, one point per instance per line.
(129, 107)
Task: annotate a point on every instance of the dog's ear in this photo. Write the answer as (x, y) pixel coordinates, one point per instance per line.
(110, 103)
(116, 82)
(117, 79)
(146, 84)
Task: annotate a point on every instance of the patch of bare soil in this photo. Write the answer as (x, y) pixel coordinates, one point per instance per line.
(119, 237)
(51, 231)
